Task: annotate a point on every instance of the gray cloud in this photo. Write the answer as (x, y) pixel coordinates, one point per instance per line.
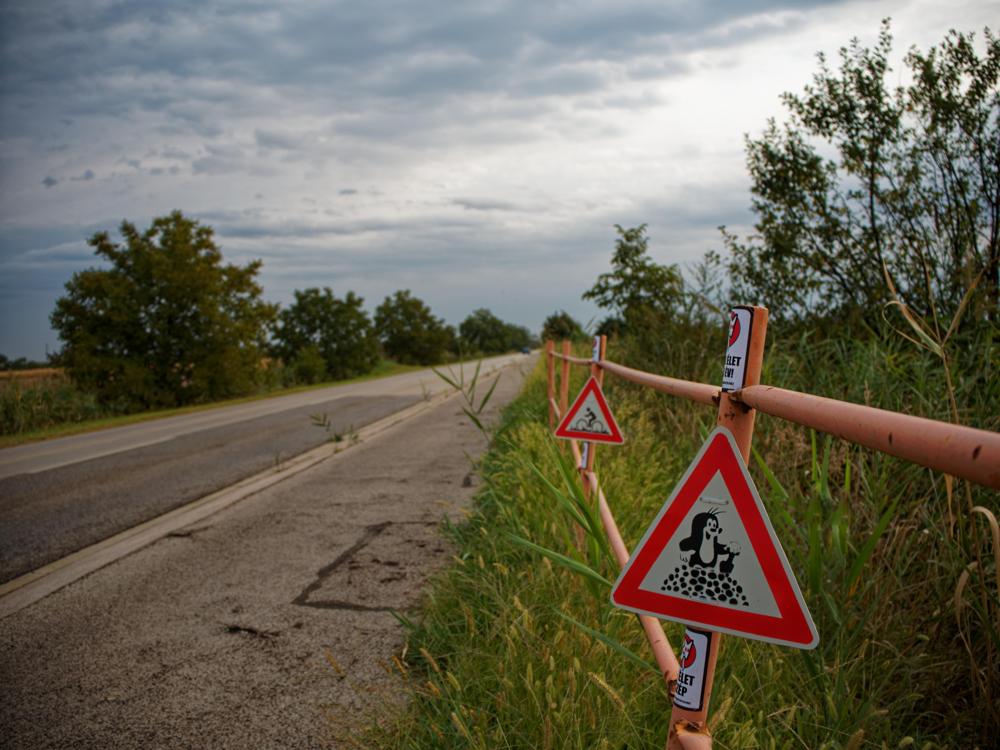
(474, 204)
(425, 111)
(187, 61)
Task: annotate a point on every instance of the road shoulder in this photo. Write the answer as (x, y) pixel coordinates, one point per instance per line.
(268, 625)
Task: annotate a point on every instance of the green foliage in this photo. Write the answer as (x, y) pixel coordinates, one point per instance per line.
(410, 333)
(518, 645)
(911, 195)
(21, 363)
(168, 323)
(611, 326)
(307, 367)
(484, 332)
(642, 293)
(474, 404)
(46, 403)
(561, 325)
(339, 329)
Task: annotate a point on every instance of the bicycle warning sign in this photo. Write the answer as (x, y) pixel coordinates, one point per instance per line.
(589, 418)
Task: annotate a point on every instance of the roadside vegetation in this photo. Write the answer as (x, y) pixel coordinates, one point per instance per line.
(163, 323)
(878, 219)
(52, 407)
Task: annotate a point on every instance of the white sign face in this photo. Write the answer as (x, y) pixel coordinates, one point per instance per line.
(711, 559)
(590, 418)
(596, 353)
(733, 374)
(690, 690)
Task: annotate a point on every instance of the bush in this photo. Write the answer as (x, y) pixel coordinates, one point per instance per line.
(47, 403)
(308, 367)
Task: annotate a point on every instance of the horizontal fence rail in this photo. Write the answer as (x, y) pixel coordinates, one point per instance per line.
(960, 451)
(953, 449)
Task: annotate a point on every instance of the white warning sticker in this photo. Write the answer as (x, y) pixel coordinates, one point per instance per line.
(690, 691)
(734, 373)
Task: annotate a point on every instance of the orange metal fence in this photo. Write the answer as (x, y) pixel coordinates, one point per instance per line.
(959, 451)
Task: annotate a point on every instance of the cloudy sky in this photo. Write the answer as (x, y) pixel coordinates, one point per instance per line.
(477, 153)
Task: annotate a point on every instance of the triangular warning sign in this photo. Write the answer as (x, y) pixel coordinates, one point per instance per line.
(589, 418)
(711, 558)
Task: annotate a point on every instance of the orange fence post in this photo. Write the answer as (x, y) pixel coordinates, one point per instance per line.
(590, 448)
(564, 378)
(689, 728)
(550, 367)
(600, 344)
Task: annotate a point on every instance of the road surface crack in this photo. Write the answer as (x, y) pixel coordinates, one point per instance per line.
(302, 600)
(251, 631)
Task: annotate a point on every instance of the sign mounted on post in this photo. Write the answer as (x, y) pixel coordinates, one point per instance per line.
(734, 373)
(589, 418)
(711, 558)
(689, 692)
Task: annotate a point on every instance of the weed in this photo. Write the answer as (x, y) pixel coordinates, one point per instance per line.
(474, 406)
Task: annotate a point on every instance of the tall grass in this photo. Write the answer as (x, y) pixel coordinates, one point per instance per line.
(26, 407)
(517, 645)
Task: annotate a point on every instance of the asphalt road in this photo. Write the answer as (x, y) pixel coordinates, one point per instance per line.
(60, 496)
(268, 625)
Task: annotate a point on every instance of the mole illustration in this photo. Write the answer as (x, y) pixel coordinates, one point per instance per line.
(707, 564)
(704, 545)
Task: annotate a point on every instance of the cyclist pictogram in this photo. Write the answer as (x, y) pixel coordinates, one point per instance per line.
(590, 423)
(589, 418)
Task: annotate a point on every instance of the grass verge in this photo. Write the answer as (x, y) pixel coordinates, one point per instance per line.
(15, 400)
(518, 646)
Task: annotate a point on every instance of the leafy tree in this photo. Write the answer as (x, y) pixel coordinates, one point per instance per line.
(560, 325)
(409, 332)
(308, 366)
(519, 337)
(869, 187)
(338, 328)
(639, 291)
(484, 332)
(168, 323)
(610, 327)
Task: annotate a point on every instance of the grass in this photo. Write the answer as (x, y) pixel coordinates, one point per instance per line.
(81, 406)
(517, 645)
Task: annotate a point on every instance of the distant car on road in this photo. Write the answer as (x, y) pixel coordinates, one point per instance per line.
(525, 350)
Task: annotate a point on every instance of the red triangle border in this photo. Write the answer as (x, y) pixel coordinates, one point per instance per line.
(793, 626)
(564, 431)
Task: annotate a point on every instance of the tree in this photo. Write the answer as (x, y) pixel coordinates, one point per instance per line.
(482, 331)
(560, 325)
(338, 328)
(639, 291)
(610, 327)
(168, 323)
(910, 202)
(409, 332)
